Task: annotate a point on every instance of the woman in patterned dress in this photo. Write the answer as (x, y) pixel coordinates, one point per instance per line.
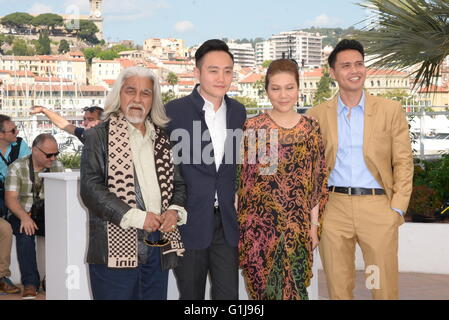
(282, 192)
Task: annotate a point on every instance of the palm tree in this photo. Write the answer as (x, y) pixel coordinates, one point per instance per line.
(408, 33)
(172, 80)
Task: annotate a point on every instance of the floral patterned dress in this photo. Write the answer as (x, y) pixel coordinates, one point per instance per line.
(283, 176)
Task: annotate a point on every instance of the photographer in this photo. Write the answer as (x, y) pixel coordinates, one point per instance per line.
(24, 194)
(11, 148)
(91, 118)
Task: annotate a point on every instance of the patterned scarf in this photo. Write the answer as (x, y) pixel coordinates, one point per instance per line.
(123, 244)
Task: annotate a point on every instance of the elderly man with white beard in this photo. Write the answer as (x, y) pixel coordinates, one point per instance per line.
(134, 193)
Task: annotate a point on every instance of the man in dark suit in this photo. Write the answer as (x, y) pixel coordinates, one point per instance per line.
(205, 129)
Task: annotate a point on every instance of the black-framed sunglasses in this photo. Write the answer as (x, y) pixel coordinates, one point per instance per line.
(92, 109)
(13, 131)
(49, 155)
(158, 243)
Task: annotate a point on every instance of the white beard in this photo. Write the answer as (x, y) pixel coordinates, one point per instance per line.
(135, 119)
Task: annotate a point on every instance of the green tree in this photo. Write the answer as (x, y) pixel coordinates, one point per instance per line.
(64, 46)
(90, 53)
(408, 33)
(120, 48)
(398, 95)
(324, 90)
(9, 39)
(48, 20)
(172, 80)
(247, 103)
(266, 63)
(107, 55)
(17, 20)
(43, 46)
(259, 85)
(87, 32)
(20, 48)
(168, 96)
(2, 42)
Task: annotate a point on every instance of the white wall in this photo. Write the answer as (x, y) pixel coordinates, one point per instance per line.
(423, 248)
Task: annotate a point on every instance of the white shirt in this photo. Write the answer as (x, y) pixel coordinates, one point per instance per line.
(216, 123)
(142, 150)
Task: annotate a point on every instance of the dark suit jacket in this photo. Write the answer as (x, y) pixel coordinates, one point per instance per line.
(187, 129)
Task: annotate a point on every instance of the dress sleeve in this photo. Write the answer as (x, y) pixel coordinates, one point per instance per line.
(320, 193)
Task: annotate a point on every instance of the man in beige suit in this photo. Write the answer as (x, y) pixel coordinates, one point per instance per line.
(369, 157)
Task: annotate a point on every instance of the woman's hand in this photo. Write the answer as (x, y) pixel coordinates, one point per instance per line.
(314, 236)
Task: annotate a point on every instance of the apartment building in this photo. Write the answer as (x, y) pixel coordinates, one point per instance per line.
(265, 51)
(67, 99)
(166, 48)
(47, 66)
(104, 70)
(306, 48)
(244, 54)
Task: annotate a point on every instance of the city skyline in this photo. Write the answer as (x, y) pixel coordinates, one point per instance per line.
(198, 20)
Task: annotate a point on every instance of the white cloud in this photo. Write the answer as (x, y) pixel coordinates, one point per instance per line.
(323, 20)
(39, 8)
(183, 26)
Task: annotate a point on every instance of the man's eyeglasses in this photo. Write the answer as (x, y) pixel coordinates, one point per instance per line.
(13, 131)
(48, 155)
(158, 243)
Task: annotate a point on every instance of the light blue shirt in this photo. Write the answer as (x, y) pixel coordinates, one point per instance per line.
(350, 168)
(23, 152)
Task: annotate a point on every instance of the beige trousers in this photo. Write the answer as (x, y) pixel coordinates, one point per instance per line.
(5, 248)
(370, 222)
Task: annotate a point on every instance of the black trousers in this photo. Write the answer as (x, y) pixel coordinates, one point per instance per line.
(219, 260)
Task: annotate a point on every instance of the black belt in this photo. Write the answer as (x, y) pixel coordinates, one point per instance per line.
(357, 191)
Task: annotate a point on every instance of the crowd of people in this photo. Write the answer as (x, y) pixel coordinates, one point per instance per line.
(195, 187)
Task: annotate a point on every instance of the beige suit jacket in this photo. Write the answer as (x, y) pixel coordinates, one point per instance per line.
(386, 145)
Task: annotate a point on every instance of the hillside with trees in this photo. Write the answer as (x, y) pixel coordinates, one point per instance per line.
(22, 23)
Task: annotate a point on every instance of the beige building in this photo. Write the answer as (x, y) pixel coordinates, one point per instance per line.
(177, 66)
(377, 82)
(66, 67)
(166, 48)
(104, 70)
(436, 96)
(247, 87)
(69, 99)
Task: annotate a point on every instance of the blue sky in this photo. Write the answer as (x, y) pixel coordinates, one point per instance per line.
(198, 20)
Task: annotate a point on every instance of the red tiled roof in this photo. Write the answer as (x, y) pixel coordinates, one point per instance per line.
(434, 89)
(22, 73)
(75, 53)
(52, 79)
(316, 73)
(384, 72)
(177, 62)
(44, 87)
(186, 83)
(252, 78)
(109, 81)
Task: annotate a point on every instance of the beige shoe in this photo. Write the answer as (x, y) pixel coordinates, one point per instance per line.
(29, 292)
(7, 287)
